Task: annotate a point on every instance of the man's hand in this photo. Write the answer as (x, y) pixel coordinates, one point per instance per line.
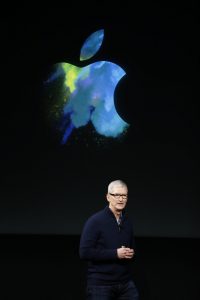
(124, 252)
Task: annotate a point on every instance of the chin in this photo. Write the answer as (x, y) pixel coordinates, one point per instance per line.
(120, 207)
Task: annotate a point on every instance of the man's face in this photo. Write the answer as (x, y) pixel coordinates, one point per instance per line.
(118, 198)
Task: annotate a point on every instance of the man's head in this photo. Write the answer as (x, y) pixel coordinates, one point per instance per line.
(117, 195)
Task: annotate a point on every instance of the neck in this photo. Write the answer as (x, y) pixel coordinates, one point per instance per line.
(117, 213)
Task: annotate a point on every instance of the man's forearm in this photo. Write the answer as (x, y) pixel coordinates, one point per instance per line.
(98, 254)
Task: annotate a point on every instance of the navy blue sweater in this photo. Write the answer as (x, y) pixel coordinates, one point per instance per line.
(100, 239)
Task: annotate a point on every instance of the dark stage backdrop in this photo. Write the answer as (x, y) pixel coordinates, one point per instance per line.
(49, 188)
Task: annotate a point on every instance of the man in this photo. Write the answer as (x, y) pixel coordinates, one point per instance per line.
(107, 243)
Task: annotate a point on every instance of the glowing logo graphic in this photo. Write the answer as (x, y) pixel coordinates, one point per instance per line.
(85, 94)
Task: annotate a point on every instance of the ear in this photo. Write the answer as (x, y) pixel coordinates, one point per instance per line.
(108, 197)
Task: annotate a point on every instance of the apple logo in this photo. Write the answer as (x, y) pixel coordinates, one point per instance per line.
(86, 94)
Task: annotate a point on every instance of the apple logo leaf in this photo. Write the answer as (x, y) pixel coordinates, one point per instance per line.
(92, 45)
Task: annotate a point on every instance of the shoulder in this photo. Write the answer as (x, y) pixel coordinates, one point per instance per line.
(96, 218)
(129, 220)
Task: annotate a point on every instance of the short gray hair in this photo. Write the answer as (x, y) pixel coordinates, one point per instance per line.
(116, 183)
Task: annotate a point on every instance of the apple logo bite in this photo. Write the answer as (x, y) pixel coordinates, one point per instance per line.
(86, 94)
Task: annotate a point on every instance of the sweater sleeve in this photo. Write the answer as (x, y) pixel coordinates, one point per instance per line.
(133, 245)
(88, 249)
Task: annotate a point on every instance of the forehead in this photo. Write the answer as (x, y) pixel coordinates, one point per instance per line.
(120, 189)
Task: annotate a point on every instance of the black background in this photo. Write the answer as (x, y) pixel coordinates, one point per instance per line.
(51, 189)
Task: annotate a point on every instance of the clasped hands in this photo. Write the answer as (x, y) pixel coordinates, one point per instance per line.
(124, 252)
